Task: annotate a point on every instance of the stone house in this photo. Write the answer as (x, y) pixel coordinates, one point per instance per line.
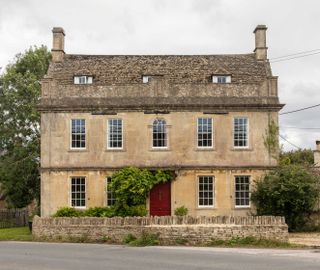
(203, 116)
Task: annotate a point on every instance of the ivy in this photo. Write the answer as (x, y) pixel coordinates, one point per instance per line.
(271, 139)
(132, 186)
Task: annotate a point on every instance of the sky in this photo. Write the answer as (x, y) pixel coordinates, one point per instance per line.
(184, 27)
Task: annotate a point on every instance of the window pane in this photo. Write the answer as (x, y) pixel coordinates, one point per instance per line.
(205, 132)
(78, 192)
(242, 191)
(114, 133)
(78, 133)
(206, 190)
(240, 132)
(159, 134)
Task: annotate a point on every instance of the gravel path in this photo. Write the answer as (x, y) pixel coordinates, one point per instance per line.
(307, 239)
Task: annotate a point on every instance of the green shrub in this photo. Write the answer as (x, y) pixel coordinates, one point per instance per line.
(108, 212)
(91, 212)
(290, 191)
(181, 211)
(68, 212)
(129, 238)
(181, 241)
(99, 212)
(132, 211)
(145, 240)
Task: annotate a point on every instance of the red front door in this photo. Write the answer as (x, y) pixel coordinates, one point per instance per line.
(160, 200)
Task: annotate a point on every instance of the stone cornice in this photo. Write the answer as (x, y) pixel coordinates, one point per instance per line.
(174, 167)
(160, 103)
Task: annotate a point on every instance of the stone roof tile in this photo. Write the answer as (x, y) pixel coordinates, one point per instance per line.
(128, 69)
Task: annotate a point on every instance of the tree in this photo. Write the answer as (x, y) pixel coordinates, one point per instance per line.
(301, 156)
(290, 191)
(20, 127)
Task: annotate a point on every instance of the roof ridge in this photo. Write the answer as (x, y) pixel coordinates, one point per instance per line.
(159, 55)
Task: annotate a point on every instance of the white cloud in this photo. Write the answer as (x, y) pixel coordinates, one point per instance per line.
(181, 27)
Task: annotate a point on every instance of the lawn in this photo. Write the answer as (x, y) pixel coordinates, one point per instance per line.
(15, 234)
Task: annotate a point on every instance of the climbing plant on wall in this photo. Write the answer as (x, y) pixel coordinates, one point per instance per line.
(270, 139)
(131, 187)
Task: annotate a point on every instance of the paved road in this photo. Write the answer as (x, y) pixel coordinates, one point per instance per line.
(44, 256)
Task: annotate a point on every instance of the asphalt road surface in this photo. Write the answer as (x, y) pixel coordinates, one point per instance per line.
(43, 256)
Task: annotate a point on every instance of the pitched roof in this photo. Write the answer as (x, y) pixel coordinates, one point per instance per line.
(181, 82)
(128, 69)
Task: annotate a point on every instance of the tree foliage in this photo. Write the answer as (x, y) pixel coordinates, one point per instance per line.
(132, 186)
(290, 191)
(20, 127)
(301, 156)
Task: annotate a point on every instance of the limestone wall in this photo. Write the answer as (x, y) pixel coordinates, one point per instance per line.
(137, 149)
(196, 230)
(56, 190)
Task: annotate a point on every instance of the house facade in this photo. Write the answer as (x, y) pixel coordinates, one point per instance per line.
(203, 116)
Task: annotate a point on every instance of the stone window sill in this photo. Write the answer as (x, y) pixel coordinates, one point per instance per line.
(114, 150)
(205, 149)
(78, 150)
(160, 150)
(242, 149)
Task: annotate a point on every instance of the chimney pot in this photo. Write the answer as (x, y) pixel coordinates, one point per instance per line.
(318, 145)
(260, 42)
(58, 44)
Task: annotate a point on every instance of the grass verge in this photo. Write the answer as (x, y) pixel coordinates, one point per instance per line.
(15, 234)
(251, 242)
(144, 240)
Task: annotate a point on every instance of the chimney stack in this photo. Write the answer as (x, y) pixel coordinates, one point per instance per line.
(58, 44)
(261, 45)
(318, 145)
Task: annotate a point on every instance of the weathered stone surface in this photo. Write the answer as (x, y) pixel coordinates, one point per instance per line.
(196, 230)
(178, 81)
(128, 69)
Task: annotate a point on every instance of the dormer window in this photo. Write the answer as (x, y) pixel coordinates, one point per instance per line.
(146, 78)
(83, 79)
(221, 79)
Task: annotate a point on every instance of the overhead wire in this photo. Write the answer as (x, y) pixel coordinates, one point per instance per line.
(282, 137)
(291, 57)
(302, 109)
(293, 54)
(295, 57)
(300, 54)
(300, 127)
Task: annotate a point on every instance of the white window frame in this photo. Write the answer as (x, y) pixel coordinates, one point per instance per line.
(212, 133)
(85, 134)
(235, 190)
(108, 133)
(107, 195)
(166, 134)
(146, 78)
(221, 79)
(85, 192)
(213, 192)
(248, 133)
(82, 79)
